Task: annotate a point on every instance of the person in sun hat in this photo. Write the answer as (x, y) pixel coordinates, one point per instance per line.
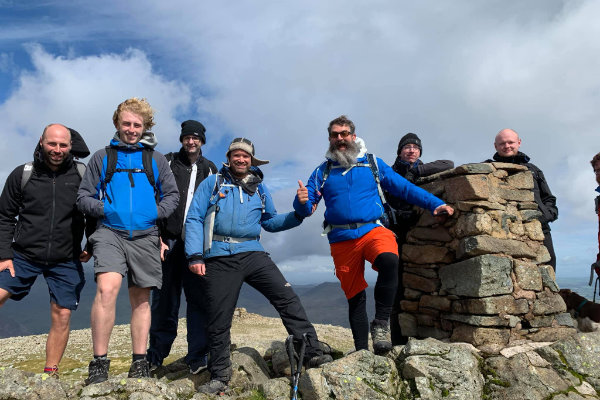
(222, 245)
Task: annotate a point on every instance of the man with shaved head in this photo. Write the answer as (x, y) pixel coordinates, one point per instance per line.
(507, 145)
(41, 232)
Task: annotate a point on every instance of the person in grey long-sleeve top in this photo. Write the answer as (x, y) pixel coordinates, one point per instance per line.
(128, 186)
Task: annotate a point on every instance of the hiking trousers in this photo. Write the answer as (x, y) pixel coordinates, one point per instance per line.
(222, 283)
(165, 310)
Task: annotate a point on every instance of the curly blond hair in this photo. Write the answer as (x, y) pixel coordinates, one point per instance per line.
(136, 106)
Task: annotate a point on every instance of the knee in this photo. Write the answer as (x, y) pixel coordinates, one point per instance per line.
(106, 293)
(60, 315)
(387, 261)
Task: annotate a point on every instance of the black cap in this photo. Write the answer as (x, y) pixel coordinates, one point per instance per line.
(410, 138)
(191, 127)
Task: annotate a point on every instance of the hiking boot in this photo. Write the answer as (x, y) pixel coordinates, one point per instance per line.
(98, 370)
(215, 386)
(197, 366)
(52, 372)
(139, 369)
(317, 361)
(380, 335)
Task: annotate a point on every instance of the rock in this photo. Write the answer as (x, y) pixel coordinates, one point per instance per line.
(506, 304)
(438, 234)
(427, 254)
(521, 180)
(420, 283)
(467, 187)
(472, 224)
(517, 378)
(478, 245)
(528, 275)
(530, 215)
(480, 320)
(436, 302)
(249, 368)
(578, 353)
(440, 370)
(471, 205)
(548, 277)
(549, 303)
(533, 230)
(17, 385)
(509, 167)
(360, 375)
(480, 336)
(482, 276)
(551, 333)
(129, 388)
(512, 194)
(276, 389)
(408, 324)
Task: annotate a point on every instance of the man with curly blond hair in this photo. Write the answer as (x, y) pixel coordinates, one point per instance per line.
(128, 186)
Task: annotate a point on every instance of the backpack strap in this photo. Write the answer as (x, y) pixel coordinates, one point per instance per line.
(26, 176)
(375, 171)
(111, 168)
(28, 170)
(326, 172)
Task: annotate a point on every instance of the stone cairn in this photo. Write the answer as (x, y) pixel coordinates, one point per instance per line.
(480, 277)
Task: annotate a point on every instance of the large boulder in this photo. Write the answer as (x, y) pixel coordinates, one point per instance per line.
(441, 370)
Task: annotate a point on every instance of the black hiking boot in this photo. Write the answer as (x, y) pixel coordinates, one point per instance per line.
(380, 335)
(139, 369)
(317, 361)
(215, 386)
(98, 371)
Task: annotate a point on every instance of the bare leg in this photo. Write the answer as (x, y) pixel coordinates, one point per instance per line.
(103, 310)
(4, 295)
(58, 335)
(140, 318)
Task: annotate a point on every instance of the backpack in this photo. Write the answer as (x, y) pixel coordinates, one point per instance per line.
(28, 170)
(213, 208)
(388, 216)
(111, 168)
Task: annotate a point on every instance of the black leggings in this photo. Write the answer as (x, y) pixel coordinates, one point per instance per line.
(385, 290)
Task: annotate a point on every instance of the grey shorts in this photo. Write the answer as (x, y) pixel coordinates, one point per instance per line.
(138, 259)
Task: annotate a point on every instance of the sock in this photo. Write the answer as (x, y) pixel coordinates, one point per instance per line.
(102, 357)
(137, 357)
(49, 370)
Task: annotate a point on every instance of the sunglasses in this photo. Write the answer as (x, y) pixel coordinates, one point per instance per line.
(344, 134)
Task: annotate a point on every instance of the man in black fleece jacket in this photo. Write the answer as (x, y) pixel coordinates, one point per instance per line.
(46, 237)
(408, 164)
(507, 145)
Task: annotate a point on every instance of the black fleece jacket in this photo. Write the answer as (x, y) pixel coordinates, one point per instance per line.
(49, 228)
(541, 191)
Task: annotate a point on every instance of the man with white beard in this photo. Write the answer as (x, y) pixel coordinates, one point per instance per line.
(351, 183)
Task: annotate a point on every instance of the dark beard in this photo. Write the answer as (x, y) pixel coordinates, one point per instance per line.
(347, 157)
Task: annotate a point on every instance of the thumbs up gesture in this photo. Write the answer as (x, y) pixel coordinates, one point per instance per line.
(302, 193)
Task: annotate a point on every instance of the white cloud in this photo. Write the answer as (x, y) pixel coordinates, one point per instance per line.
(82, 93)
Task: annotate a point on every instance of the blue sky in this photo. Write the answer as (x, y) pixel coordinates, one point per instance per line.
(277, 72)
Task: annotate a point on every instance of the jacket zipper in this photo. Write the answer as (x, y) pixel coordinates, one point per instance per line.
(51, 217)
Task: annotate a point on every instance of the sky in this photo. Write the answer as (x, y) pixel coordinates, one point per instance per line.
(277, 72)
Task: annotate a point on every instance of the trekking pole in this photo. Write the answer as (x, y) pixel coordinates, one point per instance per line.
(296, 369)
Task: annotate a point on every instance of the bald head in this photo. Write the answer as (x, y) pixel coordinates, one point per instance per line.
(507, 143)
(56, 128)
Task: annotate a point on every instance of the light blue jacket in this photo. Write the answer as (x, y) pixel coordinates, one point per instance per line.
(351, 196)
(239, 215)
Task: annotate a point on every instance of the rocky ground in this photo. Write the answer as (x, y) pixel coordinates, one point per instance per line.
(428, 369)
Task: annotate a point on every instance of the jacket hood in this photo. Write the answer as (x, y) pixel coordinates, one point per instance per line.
(519, 158)
(79, 148)
(148, 140)
(362, 150)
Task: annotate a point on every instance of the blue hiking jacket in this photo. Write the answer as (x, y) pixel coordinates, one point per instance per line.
(132, 209)
(351, 195)
(240, 215)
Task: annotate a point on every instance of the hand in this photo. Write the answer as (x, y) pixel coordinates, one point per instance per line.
(198, 269)
(302, 193)
(84, 256)
(163, 250)
(7, 263)
(442, 212)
